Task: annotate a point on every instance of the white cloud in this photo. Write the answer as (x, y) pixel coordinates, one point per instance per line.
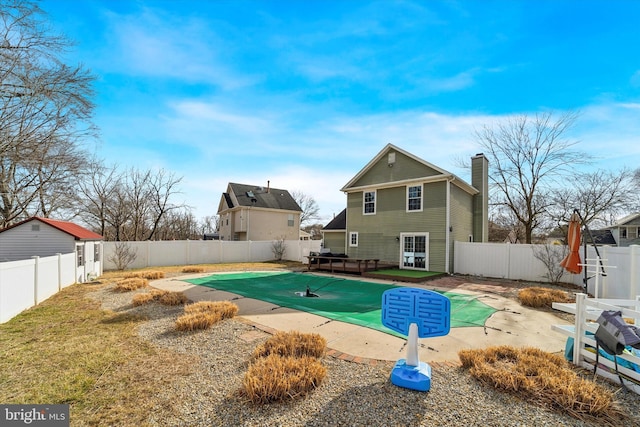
(149, 42)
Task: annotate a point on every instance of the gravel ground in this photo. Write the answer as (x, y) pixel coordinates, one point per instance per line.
(352, 394)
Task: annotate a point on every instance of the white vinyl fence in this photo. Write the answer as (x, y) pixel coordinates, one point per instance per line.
(187, 252)
(26, 283)
(587, 311)
(517, 262)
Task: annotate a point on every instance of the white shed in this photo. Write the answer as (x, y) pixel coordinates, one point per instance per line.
(44, 237)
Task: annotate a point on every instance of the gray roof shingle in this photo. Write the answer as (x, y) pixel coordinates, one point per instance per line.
(270, 198)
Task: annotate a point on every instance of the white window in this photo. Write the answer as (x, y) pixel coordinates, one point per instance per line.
(353, 239)
(414, 198)
(632, 232)
(96, 252)
(80, 255)
(290, 221)
(369, 203)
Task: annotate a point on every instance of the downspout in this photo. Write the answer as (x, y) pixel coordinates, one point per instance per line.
(447, 231)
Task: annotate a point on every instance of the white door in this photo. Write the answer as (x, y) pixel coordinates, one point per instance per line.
(414, 253)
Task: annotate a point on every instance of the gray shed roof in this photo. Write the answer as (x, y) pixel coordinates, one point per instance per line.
(338, 223)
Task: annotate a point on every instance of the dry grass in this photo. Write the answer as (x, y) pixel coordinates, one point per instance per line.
(226, 309)
(293, 343)
(541, 377)
(541, 297)
(68, 350)
(145, 274)
(131, 284)
(176, 270)
(192, 270)
(142, 299)
(160, 296)
(274, 378)
(285, 366)
(173, 298)
(204, 314)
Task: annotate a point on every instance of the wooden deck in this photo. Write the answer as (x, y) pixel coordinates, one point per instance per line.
(341, 265)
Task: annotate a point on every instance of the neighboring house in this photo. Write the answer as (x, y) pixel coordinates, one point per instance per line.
(45, 237)
(626, 231)
(404, 210)
(250, 212)
(304, 235)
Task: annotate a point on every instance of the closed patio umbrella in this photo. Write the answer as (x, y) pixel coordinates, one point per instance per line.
(571, 262)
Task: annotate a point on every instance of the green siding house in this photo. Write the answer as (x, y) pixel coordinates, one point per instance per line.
(406, 211)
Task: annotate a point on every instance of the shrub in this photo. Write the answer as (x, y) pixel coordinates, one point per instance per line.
(131, 284)
(163, 297)
(195, 321)
(274, 378)
(204, 314)
(147, 274)
(542, 377)
(541, 297)
(226, 309)
(123, 255)
(173, 298)
(294, 344)
(141, 299)
(192, 270)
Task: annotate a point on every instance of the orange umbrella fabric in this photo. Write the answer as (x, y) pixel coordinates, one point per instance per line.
(572, 260)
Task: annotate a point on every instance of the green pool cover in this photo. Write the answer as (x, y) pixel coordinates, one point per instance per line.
(351, 301)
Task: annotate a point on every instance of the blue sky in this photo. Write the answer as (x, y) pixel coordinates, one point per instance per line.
(305, 93)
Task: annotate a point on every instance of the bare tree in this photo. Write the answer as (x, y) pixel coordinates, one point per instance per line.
(123, 255)
(45, 114)
(308, 205)
(599, 196)
(551, 256)
(279, 248)
(162, 187)
(209, 224)
(315, 230)
(528, 155)
(97, 191)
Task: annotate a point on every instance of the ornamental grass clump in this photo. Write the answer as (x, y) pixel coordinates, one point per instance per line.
(537, 297)
(192, 270)
(131, 284)
(275, 378)
(225, 309)
(204, 314)
(160, 296)
(292, 343)
(541, 377)
(173, 298)
(146, 274)
(285, 366)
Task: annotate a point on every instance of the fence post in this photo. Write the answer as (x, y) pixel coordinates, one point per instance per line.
(35, 279)
(59, 272)
(578, 328)
(508, 258)
(634, 280)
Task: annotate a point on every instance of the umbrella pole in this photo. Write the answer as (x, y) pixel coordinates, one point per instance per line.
(593, 242)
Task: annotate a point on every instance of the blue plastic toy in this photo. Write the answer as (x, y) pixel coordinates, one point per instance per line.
(417, 313)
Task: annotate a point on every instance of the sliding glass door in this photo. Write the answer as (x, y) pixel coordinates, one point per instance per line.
(414, 251)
